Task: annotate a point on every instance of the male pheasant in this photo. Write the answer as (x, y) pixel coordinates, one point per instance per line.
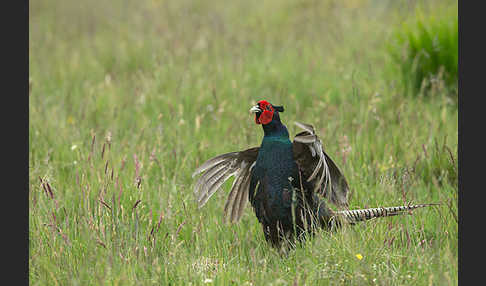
(283, 180)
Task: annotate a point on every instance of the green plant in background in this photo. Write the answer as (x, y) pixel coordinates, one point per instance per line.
(426, 51)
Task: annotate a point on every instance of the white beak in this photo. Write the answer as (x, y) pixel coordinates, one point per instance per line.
(255, 109)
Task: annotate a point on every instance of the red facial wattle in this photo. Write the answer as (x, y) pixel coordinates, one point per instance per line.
(267, 115)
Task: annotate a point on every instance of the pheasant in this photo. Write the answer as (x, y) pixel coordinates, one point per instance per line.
(285, 182)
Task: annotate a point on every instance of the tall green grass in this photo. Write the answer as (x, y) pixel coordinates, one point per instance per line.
(128, 98)
(426, 50)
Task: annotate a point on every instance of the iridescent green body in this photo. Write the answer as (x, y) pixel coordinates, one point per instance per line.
(284, 203)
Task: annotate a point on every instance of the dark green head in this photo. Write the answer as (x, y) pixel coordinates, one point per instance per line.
(265, 112)
(268, 116)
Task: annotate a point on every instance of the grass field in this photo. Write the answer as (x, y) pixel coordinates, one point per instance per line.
(128, 97)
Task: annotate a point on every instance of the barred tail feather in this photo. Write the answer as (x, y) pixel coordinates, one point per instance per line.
(353, 216)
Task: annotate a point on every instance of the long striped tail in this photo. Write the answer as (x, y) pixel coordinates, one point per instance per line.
(353, 216)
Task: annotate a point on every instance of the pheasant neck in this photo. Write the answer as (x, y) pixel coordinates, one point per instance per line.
(275, 129)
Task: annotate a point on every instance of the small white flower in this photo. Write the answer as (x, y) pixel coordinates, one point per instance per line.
(74, 147)
(208, 280)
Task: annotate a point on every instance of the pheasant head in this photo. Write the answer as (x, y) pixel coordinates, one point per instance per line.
(265, 112)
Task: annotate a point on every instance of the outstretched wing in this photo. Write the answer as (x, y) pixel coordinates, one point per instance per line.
(318, 168)
(217, 170)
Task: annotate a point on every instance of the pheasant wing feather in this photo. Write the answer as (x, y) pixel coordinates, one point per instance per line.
(215, 171)
(317, 167)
